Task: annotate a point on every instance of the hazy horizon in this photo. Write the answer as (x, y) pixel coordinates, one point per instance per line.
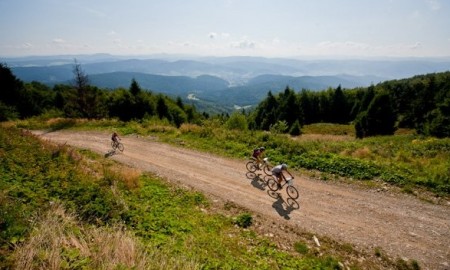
(260, 28)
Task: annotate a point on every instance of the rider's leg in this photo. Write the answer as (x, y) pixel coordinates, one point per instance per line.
(278, 177)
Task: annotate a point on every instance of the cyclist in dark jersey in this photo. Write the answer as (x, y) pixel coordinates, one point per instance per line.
(258, 154)
(115, 138)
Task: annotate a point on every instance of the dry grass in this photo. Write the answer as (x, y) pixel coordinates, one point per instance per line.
(323, 137)
(362, 153)
(162, 129)
(127, 175)
(190, 128)
(59, 241)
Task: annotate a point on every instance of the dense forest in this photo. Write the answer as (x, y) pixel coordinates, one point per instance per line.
(421, 103)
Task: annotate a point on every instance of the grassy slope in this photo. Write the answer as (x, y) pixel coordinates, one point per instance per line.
(59, 207)
(141, 201)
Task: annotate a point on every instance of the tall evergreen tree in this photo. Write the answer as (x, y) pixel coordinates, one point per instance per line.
(161, 108)
(438, 123)
(367, 98)
(89, 99)
(357, 103)
(379, 118)
(265, 113)
(10, 86)
(339, 107)
(306, 107)
(135, 89)
(289, 109)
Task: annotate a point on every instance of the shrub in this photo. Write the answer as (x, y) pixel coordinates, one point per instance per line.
(295, 129)
(244, 220)
(301, 248)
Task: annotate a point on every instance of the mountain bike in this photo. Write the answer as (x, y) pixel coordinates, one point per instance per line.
(291, 191)
(117, 145)
(265, 166)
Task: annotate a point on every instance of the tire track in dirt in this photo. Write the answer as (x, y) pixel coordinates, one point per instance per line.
(401, 225)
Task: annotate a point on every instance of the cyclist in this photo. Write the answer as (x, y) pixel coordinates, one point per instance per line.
(258, 155)
(277, 172)
(115, 138)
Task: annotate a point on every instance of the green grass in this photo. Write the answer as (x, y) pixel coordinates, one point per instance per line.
(405, 160)
(175, 225)
(402, 160)
(166, 221)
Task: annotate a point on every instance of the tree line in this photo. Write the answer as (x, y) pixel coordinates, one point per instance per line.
(81, 100)
(421, 103)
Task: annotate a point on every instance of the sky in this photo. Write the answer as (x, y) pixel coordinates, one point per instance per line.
(268, 28)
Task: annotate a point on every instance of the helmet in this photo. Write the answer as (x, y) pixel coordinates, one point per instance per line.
(262, 148)
(284, 166)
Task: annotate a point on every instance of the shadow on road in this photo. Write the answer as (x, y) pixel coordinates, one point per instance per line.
(110, 153)
(257, 181)
(284, 208)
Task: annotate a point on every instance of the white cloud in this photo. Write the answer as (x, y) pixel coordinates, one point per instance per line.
(58, 41)
(214, 35)
(415, 46)
(244, 44)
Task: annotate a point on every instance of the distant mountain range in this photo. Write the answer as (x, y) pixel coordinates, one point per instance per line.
(228, 81)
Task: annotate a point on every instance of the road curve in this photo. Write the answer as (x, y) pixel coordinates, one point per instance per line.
(401, 225)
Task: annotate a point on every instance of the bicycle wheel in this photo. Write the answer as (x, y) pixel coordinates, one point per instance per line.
(292, 192)
(120, 147)
(293, 204)
(113, 145)
(266, 179)
(267, 169)
(272, 184)
(251, 167)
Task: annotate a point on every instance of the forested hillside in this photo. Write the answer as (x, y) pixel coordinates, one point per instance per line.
(80, 99)
(421, 103)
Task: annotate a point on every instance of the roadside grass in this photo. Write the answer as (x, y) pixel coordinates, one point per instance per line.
(416, 164)
(410, 162)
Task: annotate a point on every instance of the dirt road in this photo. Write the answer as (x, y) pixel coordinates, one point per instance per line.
(401, 225)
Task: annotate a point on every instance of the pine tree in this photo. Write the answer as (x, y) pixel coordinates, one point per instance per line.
(380, 116)
(135, 89)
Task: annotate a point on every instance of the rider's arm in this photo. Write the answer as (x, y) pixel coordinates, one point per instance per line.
(290, 173)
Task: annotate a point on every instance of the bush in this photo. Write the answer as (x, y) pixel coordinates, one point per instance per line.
(295, 129)
(244, 220)
(279, 127)
(301, 247)
(237, 121)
